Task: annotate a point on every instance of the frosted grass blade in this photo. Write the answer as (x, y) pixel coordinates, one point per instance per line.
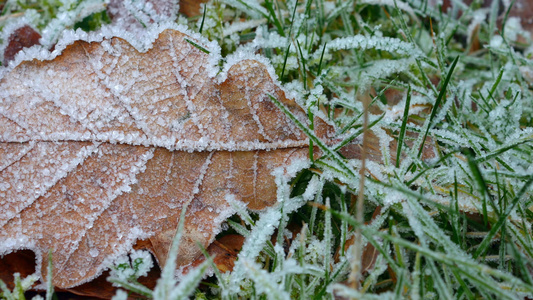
(402, 128)
(441, 95)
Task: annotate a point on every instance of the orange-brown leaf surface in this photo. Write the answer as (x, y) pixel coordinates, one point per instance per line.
(105, 145)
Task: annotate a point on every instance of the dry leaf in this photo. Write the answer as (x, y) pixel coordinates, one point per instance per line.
(105, 145)
(23, 37)
(191, 8)
(224, 252)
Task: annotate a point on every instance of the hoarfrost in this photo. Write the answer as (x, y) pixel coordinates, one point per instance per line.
(314, 185)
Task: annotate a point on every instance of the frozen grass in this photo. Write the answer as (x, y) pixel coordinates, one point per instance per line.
(457, 225)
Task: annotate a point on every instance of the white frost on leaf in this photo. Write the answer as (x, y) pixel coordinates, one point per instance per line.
(80, 133)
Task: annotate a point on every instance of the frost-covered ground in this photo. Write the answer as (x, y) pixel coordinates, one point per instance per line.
(449, 151)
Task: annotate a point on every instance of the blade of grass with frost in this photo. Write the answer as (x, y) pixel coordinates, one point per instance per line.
(289, 44)
(351, 123)
(302, 58)
(370, 238)
(416, 278)
(503, 249)
(454, 216)
(240, 209)
(502, 219)
(314, 209)
(311, 119)
(359, 132)
(211, 263)
(437, 103)
(327, 240)
(189, 282)
(399, 253)
(362, 42)
(463, 287)
(265, 282)
(496, 83)
(314, 138)
(251, 248)
(203, 19)
(407, 192)
(285, 61)
(301, 244)
(429, 168)
(380, 267)
(344, 225)
(273, 17)
(18, 290)
(166, 282)
(505, 17)
(134, 287)
(496, 152)
(403, 26)
(431, 229)
(239, 228)
(321, 59)
(482, 186)
(6, 293)
(400, 284)
(522, 236)
(493, 16)
(269, 249)
(197, 46)
(402, 128)
(443, 289)
(521, 264)
(342, 290)
(49, 271)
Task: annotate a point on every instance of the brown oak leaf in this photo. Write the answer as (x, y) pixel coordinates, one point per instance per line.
(104, 145)
(23, 37)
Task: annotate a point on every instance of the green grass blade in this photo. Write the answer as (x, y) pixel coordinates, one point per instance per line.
(502, 219)
(203, 19)
(332, 154)
(441, 95)
(402, 128)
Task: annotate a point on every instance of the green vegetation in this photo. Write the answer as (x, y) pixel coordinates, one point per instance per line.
(456, 224)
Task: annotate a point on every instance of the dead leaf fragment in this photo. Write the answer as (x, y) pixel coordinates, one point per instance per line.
(105, 145)
(191, 8)
(23, 37)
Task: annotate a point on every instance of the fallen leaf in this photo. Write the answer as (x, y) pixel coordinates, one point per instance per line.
(223, 251)
(191, 8)
(23, 37)
(105, 145)
(23, 262)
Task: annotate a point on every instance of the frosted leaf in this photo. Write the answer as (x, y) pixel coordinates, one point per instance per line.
(102, 145)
